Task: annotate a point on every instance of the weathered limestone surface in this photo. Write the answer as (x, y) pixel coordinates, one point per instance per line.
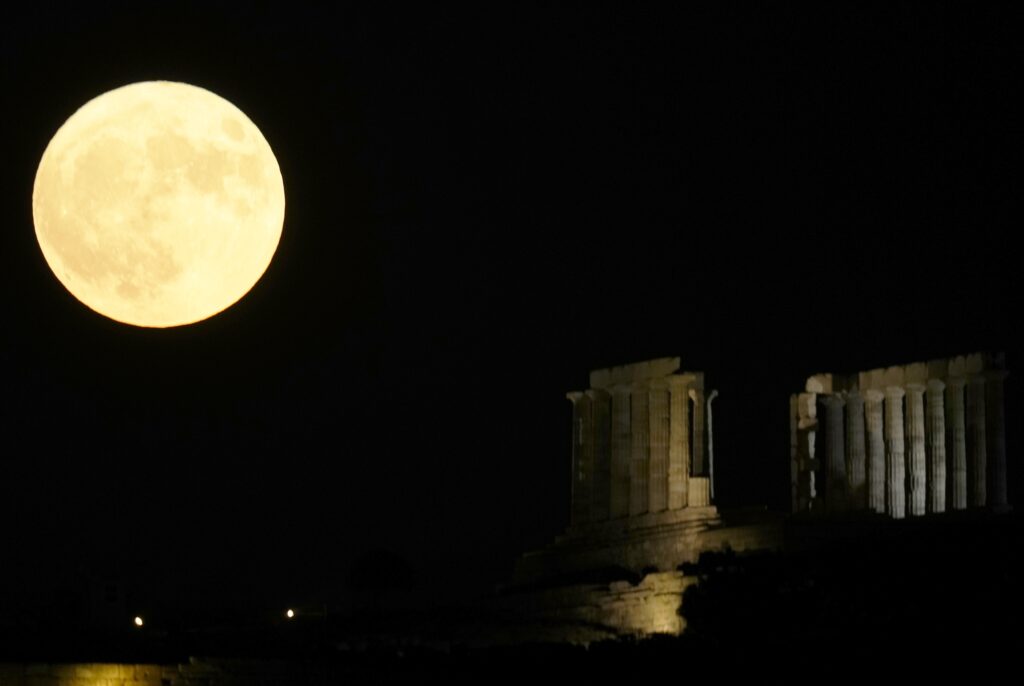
(600, 404)
(876, 451)
(895, 496)
(957, 439)
(679, 443)
(923, 438)
(916, 469)
(936, 446)
(856, 469)
(835, 455)
(621, 452)
(658, 414)
(699, 461)
(640, 464)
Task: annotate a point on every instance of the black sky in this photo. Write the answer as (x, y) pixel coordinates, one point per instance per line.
(481, 207)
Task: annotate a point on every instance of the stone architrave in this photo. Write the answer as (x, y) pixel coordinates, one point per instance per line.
(956, 428)
(621, 451)
(936, 446)
(977, 455)
(658, 419)
(916, 463)
(600, 498)
(679, 443)
(835, 454)
(876, 450)
(856, 474)
(996, 439)
(895, 481)
(640, 461)
(699, 463)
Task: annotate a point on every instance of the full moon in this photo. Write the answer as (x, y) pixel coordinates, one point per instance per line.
(158, 204)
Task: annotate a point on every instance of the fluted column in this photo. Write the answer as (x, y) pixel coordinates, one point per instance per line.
(621, 453)
(957, 438)
(580, 495)
(679, 443)
(658, 416)
(807, 463)
(977, 455)
(699, 464)
(835, 454)
(855, 454)
(895, 501)
(916, 469)
(876, 451)
(996, 439)
(600, 495)
(711, 446)
(640, 431)
(936, 446)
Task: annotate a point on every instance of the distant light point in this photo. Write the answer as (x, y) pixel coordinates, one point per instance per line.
(138, 621)
(290, 614)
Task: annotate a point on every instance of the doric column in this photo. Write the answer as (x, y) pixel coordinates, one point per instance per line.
(876, 451)
(699, 464)
(916, 468)
(936, 446)
(977, 455)
(711, 447)
(678, 443)
(996, 439)
(600, 495)
(808, 464)
(956, 428)
(621, 452)
(580, 447)
(895, 501)
(658, 416)
(640, 431)
(835, 454)
(856, 474)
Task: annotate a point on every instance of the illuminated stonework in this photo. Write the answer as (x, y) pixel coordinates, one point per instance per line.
(641, 443)
(642, 490)
(905, 441)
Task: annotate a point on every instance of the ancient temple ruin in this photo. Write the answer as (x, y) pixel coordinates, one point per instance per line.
(910, 440)
(642, 474)
(641, 442)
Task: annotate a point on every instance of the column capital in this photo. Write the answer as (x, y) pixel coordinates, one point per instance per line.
(833, 400)
(574, 396)
(915, 388)
(694, 393)
(854, 395)
(677, 383)
(956, 382)
(936, 386)
(874, 395)
(657, 384)
(894, 392)
(621, 389)
(595, 393)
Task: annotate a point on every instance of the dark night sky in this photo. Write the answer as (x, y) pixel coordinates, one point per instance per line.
(481, 208)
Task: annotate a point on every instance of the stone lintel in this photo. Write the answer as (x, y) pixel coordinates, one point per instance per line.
(638, 371)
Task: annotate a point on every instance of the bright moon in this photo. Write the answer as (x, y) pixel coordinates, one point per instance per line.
(158, 204)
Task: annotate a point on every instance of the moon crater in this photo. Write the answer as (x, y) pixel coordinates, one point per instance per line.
(158, 204)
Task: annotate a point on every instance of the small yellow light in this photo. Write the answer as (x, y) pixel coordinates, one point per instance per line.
(290, 613)
(138, 621)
